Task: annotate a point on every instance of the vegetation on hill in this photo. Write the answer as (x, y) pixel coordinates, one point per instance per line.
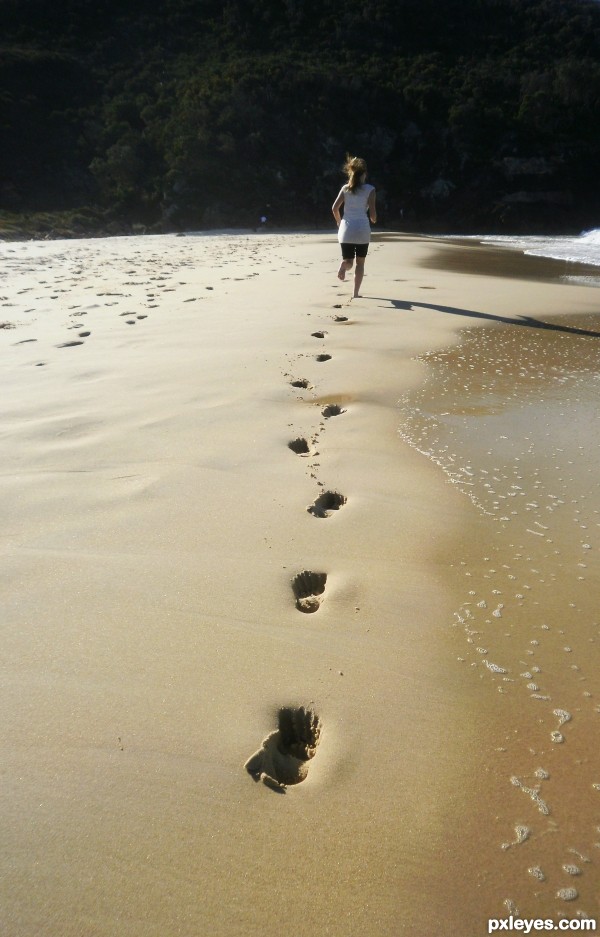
(472, 114)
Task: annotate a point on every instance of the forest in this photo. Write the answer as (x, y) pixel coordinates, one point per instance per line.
(166, 115)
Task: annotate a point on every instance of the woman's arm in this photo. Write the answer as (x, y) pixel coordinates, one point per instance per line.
(335, 208)
(372, 206)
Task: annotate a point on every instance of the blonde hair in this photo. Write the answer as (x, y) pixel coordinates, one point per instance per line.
(355, 168)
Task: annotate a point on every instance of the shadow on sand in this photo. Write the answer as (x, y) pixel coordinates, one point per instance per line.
(527, 321)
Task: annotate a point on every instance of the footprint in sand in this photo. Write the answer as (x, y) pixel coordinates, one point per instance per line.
(327, 502)
(318, 334)
(301, 382)
(69, 344)
(323, 357)
(332, 409)
(308, 587)
(299, 446)
(340, 318)
(283, 757)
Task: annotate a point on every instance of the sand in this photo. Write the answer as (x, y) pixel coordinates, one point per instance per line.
(155, 521)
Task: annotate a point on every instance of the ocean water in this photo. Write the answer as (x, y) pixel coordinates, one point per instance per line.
(511, 417)
(577, 249)
(584, 248)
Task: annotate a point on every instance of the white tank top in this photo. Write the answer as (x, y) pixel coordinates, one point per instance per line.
(355, 227)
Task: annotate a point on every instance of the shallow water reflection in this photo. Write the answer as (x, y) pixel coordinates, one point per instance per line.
(512, 417)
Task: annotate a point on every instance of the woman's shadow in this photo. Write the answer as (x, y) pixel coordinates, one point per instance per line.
(527, 321)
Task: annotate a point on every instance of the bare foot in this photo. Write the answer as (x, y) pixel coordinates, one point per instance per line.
(341, 274)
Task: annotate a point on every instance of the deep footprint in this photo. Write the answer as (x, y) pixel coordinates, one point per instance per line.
(327, 502)
(283, 757)
(299, 446)
(301, 382)
(308, 587)
(332, 409)
(323, 357)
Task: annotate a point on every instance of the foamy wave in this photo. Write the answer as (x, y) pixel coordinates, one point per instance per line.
(583, 248)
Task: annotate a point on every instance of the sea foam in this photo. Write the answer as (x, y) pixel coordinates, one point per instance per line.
(583, 248)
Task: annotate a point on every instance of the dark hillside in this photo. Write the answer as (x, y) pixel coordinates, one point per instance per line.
(473, 114)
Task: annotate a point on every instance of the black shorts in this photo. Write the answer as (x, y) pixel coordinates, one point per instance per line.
(350, 251)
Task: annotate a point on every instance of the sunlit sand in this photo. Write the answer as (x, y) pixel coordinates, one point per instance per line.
(299, 591)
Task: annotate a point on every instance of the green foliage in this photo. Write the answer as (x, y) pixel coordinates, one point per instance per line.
(200, 112)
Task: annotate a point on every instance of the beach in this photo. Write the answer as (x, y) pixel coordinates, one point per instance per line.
(230, 491)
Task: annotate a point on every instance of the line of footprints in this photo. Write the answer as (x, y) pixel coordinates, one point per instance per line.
(283, 757)
(309, 587)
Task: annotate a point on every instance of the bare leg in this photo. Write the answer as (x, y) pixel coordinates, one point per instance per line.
(359, 274)
(344, 266)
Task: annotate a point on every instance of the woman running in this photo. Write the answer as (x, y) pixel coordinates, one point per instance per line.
(354, 230)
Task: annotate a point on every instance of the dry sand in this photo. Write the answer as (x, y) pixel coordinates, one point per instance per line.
(154, 517)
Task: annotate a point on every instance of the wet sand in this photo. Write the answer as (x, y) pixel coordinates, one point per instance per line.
(181, 582)
(511, 418)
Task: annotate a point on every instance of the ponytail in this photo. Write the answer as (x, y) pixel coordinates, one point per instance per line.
(356, 169)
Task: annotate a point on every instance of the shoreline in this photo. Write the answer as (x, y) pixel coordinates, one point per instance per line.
(524, 573)
(156, 519)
